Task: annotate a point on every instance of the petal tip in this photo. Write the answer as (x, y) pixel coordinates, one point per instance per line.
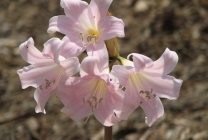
(39, 110)
(51, 30)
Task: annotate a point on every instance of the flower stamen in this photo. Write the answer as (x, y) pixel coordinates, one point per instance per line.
(90, 37)
(147, 95)
(144, 93)
(47, 84)
(96, 96)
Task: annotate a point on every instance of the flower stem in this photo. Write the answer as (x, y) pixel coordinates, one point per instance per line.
(108, 133)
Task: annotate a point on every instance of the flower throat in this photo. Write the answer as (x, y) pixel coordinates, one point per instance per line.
(90, 37)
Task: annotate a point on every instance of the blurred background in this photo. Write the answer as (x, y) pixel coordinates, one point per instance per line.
(150, 27)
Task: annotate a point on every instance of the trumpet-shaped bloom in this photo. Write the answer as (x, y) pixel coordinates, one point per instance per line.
(146, 80)
(88, 25)
(96, 92)
(46, 69)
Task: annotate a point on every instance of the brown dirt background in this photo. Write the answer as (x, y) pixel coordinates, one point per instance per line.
(150, 26)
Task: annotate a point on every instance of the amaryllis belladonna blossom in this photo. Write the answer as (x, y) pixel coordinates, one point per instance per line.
(147, 81)
(88, 25)
(46, 70)
(95, 92)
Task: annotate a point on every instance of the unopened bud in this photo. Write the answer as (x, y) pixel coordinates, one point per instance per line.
(125, 61)
(112, 47)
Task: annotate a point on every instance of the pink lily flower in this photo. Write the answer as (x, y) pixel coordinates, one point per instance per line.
(88, 25)
(146, 81)
(96, 92)
(46, 70)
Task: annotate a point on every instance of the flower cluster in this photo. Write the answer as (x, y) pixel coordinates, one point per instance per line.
(91, 85)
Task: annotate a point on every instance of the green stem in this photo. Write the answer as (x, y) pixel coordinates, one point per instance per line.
(108, 133)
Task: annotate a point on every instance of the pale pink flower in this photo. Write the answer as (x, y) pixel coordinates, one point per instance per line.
(46, 69)
(88, 25)
(146, 80)
(96, 92)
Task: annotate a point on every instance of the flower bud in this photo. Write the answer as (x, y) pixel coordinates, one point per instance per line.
(112, 47)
